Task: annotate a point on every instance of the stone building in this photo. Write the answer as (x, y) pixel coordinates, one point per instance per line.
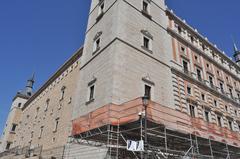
(134, 49)
(42, 120)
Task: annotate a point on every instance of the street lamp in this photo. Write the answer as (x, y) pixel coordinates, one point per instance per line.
(145, 101)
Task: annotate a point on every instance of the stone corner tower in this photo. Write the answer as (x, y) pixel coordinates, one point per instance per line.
(125, 40)
(15, 112)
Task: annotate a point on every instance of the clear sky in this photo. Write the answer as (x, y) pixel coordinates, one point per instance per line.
(39, 35)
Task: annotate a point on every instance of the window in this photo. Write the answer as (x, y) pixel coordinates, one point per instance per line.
(47, 105)
(14, 126)
(145, 7)
(62, 92)
(180, 30)
(211, 81)
(196, 58)
(199, 74)
(206, 115)
(236, 112)
(91, 92)
(189, 90)
(37, 111)
(221, 87)
(203, 47)
(203, 97)
(56, 125)
(96, 45)
(208, 66)
(230, 125)
(101, 7)
(192, 39)
(185, 67)
(227, 79)
(32, 134)
(8, 145)
(230, 92)
(183, 49)
(19, 105)
(146, 43)
(219, 121)
(226, 108)
(215, 103)
(41, 132)
(218, 73)
(147, 91)
(192, 111)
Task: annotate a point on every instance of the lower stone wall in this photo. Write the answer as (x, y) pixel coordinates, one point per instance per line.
(77, 151)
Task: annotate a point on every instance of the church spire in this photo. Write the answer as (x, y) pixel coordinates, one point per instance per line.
(28, 90)
(236, 53)
(30, 81)
(29, 87)
(235, 47)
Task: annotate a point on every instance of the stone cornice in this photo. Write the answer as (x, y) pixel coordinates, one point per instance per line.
(173, 33)
(175, 17)
(204, 86)
(64, 67)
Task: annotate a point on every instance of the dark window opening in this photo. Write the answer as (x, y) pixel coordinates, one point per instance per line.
(207, 116)
(8, 145)
(203, 97)
(230, 125)
(147, 91)
(146, 42)
(97, 43)
(145, 6)
(199, 75)
(14, 126)
(185, 67)
(211, 81)
(219, 120)
(91, 96)
(56, 125)
(226, 108)
(189, 90)
(19, 105)
(230, 92)
(192, 111)
(221, 87)
(215, 103)
(192, 39)
(179, 29)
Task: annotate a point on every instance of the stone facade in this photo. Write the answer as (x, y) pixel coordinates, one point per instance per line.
(133, 48)
(44, 120)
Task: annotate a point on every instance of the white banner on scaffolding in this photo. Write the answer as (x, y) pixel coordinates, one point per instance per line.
(136, 146)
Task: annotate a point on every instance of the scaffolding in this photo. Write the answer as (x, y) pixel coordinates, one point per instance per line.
(162, 143)
(111, 128)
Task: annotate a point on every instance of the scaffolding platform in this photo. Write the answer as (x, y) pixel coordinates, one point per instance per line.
(171, 134)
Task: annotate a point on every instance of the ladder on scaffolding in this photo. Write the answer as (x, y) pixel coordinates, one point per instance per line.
(113, 141)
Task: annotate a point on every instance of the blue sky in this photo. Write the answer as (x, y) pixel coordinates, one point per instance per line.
(38, 36)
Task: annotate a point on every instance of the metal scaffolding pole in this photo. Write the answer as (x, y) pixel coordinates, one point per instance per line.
(197, 148)
(141, 131)
(192, 144)
(210, 144)
(228, 154)
(166, 146)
